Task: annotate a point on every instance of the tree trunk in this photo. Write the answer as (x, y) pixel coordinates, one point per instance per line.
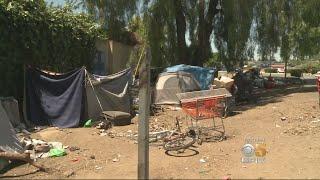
(285, 69)
(205, 28)
(199, 55)
(181, 31)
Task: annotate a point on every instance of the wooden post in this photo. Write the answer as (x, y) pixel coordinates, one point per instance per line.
(285, 70)
(144, 110)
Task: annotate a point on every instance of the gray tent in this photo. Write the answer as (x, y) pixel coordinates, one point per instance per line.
(8, 139)
(169, 84)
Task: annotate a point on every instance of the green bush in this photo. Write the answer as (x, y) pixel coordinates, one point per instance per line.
(296, 72)
(310, 67)
(49, 38)
(270, 70)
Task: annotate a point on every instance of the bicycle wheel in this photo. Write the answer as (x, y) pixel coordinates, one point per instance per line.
(179, 143)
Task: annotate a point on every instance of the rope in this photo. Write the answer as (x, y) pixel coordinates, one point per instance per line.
(94, 91)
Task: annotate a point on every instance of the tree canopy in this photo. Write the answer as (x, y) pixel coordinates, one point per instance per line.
(183, 31)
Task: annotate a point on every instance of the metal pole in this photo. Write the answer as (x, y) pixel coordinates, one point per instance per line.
(144, 111)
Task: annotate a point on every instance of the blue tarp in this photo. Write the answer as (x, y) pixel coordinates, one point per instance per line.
(203, 75)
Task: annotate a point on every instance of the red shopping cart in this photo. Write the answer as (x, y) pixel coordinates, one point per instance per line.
(200, 105)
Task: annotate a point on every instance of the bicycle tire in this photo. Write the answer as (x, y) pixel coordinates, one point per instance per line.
(181, 143)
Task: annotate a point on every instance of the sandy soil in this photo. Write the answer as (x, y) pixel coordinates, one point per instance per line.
(293, 147)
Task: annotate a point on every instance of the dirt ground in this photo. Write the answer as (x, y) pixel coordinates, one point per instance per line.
(293, 146)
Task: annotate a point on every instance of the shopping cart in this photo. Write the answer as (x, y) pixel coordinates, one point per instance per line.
(208, 104)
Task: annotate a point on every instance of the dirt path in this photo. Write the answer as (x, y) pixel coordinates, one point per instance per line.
(293, 147)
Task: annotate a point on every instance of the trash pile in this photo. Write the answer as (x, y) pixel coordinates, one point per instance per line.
(129, 134)
(41, 149)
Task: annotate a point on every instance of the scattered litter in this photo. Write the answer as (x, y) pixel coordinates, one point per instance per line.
(69, 173)
(103, 134)
(283, 118)
(102, 125)
(74, 148)
(88, 123)
(56, 145)
(204, 159)
(38, 148)
(116, 158)
(98, 167)
(42, 155)
(278, 126)
(42, 148)
(57, 152)
(315, 121)
(244, 166)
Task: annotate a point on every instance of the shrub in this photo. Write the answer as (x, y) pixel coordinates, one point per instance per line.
(296, 72)
(270, 70)
(310, 67)
(49, 38)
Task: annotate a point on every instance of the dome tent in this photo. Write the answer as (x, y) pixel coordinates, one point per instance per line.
(171, 83)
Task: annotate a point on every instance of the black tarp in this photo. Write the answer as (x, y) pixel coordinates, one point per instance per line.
(56, 100)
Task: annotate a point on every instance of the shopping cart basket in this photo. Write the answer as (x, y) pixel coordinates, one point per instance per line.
(206, 104)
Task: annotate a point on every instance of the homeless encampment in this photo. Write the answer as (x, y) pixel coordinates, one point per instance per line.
(169, 84)
(68, 100)
(203, 75)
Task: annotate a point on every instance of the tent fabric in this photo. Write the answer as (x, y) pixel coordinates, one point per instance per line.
(56, 100)
(113, 91)
(203, 75)
(8, 139)
(11, 107)
(169, 84)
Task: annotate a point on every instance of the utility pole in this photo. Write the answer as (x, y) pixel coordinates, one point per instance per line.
(144, 111)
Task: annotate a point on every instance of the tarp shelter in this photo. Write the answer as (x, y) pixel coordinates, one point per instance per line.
(56, 100)
(203, 75)
(113, 91)
(8, 139)
(169, 84)
(67, 100)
